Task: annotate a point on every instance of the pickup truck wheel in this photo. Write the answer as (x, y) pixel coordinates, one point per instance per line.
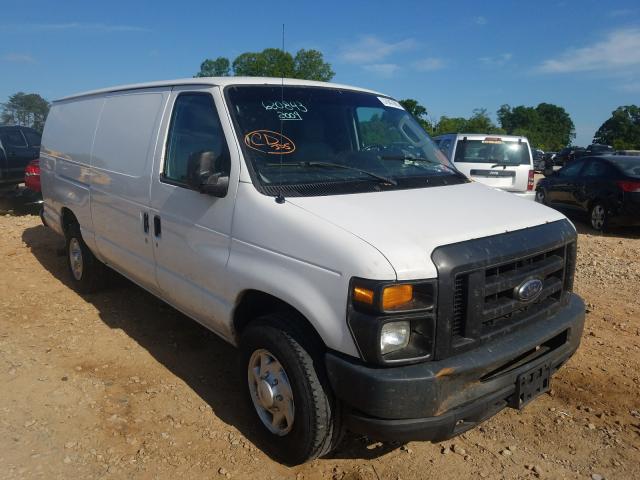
(599, 216)
(292, 400)
(87, 272)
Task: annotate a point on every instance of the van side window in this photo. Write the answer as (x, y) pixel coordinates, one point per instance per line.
(195, 130)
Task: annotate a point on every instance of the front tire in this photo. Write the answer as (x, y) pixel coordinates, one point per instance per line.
(87, 272)
(599, 216)
(288, 390)
(541, 196)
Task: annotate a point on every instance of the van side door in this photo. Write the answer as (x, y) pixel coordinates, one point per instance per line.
(121, 162)
(192, 230)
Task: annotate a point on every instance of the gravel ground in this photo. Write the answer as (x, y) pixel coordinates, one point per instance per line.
(119, 385)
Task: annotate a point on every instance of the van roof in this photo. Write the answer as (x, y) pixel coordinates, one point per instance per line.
(218, 81)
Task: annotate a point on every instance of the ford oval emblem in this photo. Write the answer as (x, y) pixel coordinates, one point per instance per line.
(529, 290)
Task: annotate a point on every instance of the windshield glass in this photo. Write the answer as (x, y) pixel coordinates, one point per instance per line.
(492, 150)
(313, 141)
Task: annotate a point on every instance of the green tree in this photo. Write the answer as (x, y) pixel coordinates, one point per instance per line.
(418, 111)
(220, 67)
(450, 125)
(26, 109)
(622, 129)
(271, 62)
(479, 122)
(310, 65)
(546, 126)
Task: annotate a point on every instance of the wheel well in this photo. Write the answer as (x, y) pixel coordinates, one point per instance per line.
(255, 304)
(68, 219)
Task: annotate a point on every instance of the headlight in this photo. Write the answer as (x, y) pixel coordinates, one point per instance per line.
(393, 322)
(394, 336)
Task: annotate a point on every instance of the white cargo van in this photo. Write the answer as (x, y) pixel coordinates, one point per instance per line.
(500, 161)
(369, 284)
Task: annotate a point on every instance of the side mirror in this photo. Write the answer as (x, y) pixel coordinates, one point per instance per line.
(202, 177)
(215, 185)
(548, 171)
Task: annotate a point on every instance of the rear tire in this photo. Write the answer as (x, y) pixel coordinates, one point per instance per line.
(288, 390)
(599, 216)
(87, 273)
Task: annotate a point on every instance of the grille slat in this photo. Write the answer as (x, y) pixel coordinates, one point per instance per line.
(504, 281)
(459, 306)
(493, 302)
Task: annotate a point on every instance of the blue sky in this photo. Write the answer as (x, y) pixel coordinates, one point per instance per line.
(451, 56)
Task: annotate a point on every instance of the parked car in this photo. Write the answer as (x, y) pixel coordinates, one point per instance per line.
(499, 161)
(367, 282)
(32, 176)
(606, 188)
(567, 155)
(598, 149)
(18, 146)
(538, 159)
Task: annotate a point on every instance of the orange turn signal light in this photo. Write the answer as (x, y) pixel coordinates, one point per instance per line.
(363, 295)
(396, 295)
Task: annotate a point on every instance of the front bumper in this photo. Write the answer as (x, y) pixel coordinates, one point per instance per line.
(440, 399)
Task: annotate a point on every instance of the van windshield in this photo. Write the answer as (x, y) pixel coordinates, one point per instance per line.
(492, 150)
(320, 141)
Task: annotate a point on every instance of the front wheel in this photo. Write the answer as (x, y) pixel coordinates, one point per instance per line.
(541, 196)
(290, 396)
(599, 216)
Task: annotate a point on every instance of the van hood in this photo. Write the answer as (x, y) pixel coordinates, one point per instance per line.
(407, 225)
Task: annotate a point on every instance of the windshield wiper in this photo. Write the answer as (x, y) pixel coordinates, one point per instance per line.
(505, 164)
(381, 178)
(410, 157)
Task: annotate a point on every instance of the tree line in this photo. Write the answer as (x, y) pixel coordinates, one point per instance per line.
(547, 126)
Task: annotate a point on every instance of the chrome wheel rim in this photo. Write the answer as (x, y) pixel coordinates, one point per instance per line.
(75, 258)
(540, 196)
(597, 217)
(271, 392)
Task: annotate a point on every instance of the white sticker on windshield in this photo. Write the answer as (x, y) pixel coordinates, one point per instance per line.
(387, 102)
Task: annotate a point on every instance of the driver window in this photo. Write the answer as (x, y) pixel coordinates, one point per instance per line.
(195, 131)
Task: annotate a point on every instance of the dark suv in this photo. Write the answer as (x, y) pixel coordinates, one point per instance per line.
(18, 146)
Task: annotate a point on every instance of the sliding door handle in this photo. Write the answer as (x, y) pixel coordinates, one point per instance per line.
(145, 222)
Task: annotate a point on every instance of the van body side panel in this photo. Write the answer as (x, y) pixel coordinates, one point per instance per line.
(121, 162)
(301, 258)
(65, 163)
(193, 248)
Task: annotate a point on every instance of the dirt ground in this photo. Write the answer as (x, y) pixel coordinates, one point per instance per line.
(119, 385)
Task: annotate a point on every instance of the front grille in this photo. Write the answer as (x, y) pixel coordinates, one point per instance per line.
(496, 305)
(477, 281)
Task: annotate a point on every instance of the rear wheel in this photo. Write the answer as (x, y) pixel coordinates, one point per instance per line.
(88, 274)
(288, 391)
(599, 216)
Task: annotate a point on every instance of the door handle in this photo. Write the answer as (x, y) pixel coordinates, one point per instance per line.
(145, 222)
(157, 227)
